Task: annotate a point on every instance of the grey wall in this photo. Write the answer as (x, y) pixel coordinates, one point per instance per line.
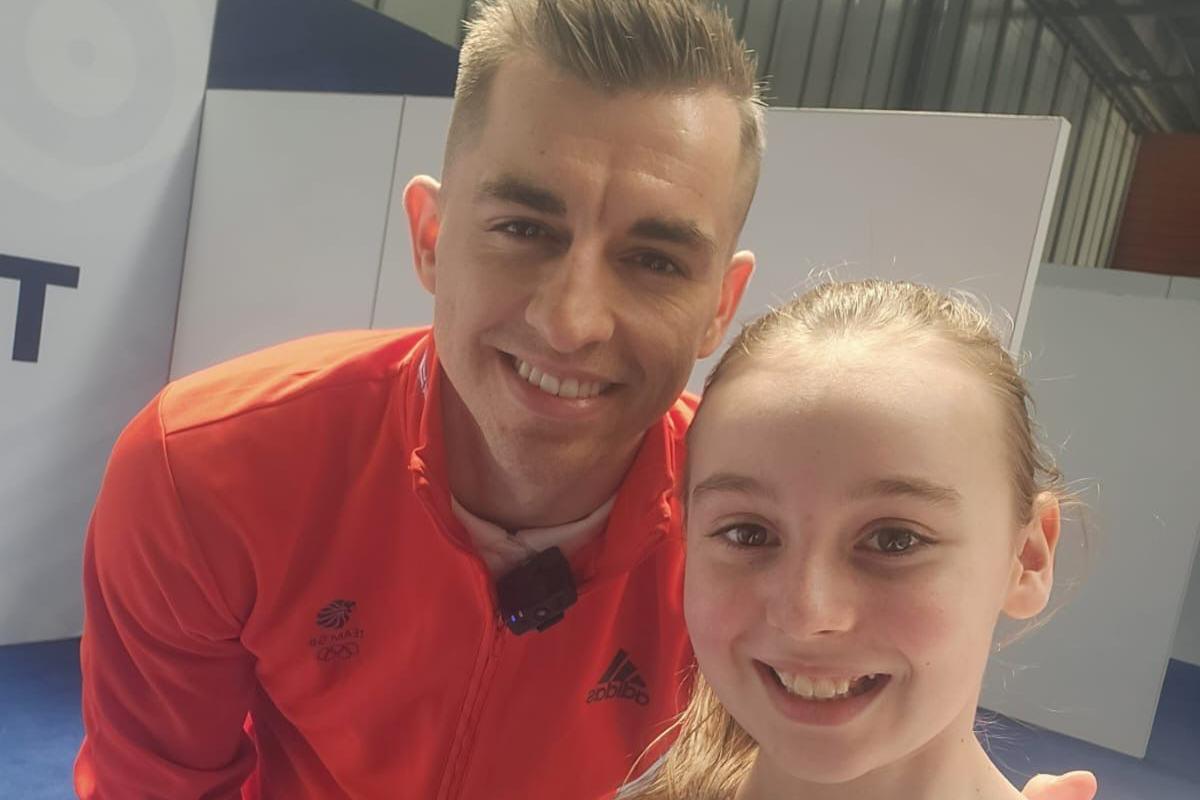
(1187, 637)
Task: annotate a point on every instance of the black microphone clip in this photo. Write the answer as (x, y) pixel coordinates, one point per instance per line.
(534, 595)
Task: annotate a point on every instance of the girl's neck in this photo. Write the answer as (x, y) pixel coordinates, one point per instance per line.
(951, 766)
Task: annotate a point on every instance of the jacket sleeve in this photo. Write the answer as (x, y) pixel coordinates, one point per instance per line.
(166, 683)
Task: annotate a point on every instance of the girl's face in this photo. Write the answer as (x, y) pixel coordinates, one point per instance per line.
(851, 541)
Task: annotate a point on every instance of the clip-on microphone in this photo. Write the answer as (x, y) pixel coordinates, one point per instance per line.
(535, 594)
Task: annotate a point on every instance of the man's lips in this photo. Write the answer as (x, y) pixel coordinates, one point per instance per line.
(558, 379)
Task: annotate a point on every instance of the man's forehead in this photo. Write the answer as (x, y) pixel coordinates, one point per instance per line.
(541, 124)
(659, 223)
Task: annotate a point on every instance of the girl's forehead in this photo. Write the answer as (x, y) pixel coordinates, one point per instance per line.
(851, 376)
(888, 410)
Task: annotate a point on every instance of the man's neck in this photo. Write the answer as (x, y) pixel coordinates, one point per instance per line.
(523, 492)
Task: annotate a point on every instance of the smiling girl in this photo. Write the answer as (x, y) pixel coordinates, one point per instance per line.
(865, 498)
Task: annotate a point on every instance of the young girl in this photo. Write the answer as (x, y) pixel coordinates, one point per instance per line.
(865, 497)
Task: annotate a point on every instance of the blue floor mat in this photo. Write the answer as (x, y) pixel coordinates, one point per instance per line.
(1175, 739)
(40, 725)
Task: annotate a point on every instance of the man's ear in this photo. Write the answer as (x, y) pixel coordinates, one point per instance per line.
(424, 224)
(733, 285)
(1033, 565)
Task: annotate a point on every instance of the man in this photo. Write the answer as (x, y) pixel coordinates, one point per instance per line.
(319, 540)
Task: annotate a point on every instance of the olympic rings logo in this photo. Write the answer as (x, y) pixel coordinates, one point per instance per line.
(338, 652)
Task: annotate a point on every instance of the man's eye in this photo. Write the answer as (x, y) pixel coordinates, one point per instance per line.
(896, 541)
(523, 230)
(744, 535)
(658, 263)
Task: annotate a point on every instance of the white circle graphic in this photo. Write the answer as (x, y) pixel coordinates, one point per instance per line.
(94, 89)
(102, 114)
(81, 57)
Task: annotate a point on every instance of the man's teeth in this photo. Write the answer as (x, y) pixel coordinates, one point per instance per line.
(560, 387)
(822, 688)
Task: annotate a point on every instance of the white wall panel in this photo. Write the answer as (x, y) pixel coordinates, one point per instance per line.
(402, 301)
(1182, 288)
(1115, 379)
(99, 114)
(287, 220)
(904, 195)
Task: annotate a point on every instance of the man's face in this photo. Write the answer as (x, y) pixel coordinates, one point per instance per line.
(580, 260)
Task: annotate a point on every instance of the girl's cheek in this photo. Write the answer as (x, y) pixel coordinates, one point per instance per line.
(718, 606)
(930, 623)
(924, 627)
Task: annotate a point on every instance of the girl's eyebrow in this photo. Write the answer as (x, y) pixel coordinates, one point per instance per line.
(892, 486)
(732, 482)
(902, 485)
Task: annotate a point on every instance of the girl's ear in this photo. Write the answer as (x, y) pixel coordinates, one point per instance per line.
(1033, 562)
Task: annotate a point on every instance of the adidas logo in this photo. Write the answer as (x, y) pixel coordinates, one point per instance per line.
(620, 681)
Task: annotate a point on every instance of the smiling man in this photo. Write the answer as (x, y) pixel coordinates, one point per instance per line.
(446, 562)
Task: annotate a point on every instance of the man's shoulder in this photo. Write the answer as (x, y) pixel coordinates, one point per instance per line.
(279, 374)
(687, 402)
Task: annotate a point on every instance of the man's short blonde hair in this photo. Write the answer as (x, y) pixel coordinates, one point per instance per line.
(612, 45)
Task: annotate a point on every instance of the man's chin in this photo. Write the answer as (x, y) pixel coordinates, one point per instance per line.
(535, 449)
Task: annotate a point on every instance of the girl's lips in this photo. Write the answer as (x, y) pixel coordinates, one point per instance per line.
(826, 712)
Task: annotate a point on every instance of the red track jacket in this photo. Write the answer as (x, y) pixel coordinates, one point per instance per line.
(281, 604)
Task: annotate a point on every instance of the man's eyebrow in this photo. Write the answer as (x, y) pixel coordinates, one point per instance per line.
(732, 482)
(911, 487)
(512, 189)
(676, 231)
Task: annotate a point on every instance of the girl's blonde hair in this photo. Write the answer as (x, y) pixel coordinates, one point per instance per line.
(712, 753)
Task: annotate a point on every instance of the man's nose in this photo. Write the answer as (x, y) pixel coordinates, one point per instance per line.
(573, 306)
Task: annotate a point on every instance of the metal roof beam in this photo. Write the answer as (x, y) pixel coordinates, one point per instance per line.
(1157, 8)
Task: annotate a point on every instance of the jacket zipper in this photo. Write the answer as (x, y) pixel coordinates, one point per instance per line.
(459, 766)
(461, 748)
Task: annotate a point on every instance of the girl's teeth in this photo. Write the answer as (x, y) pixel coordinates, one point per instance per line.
(569, 388)
(549, 384)
(820, 688)
(524, 369)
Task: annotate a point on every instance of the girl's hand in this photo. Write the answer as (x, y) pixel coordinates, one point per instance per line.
(1071, 786)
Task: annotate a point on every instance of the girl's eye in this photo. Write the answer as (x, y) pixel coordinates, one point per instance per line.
(896, 541)
(744, 535)
(521, 230)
